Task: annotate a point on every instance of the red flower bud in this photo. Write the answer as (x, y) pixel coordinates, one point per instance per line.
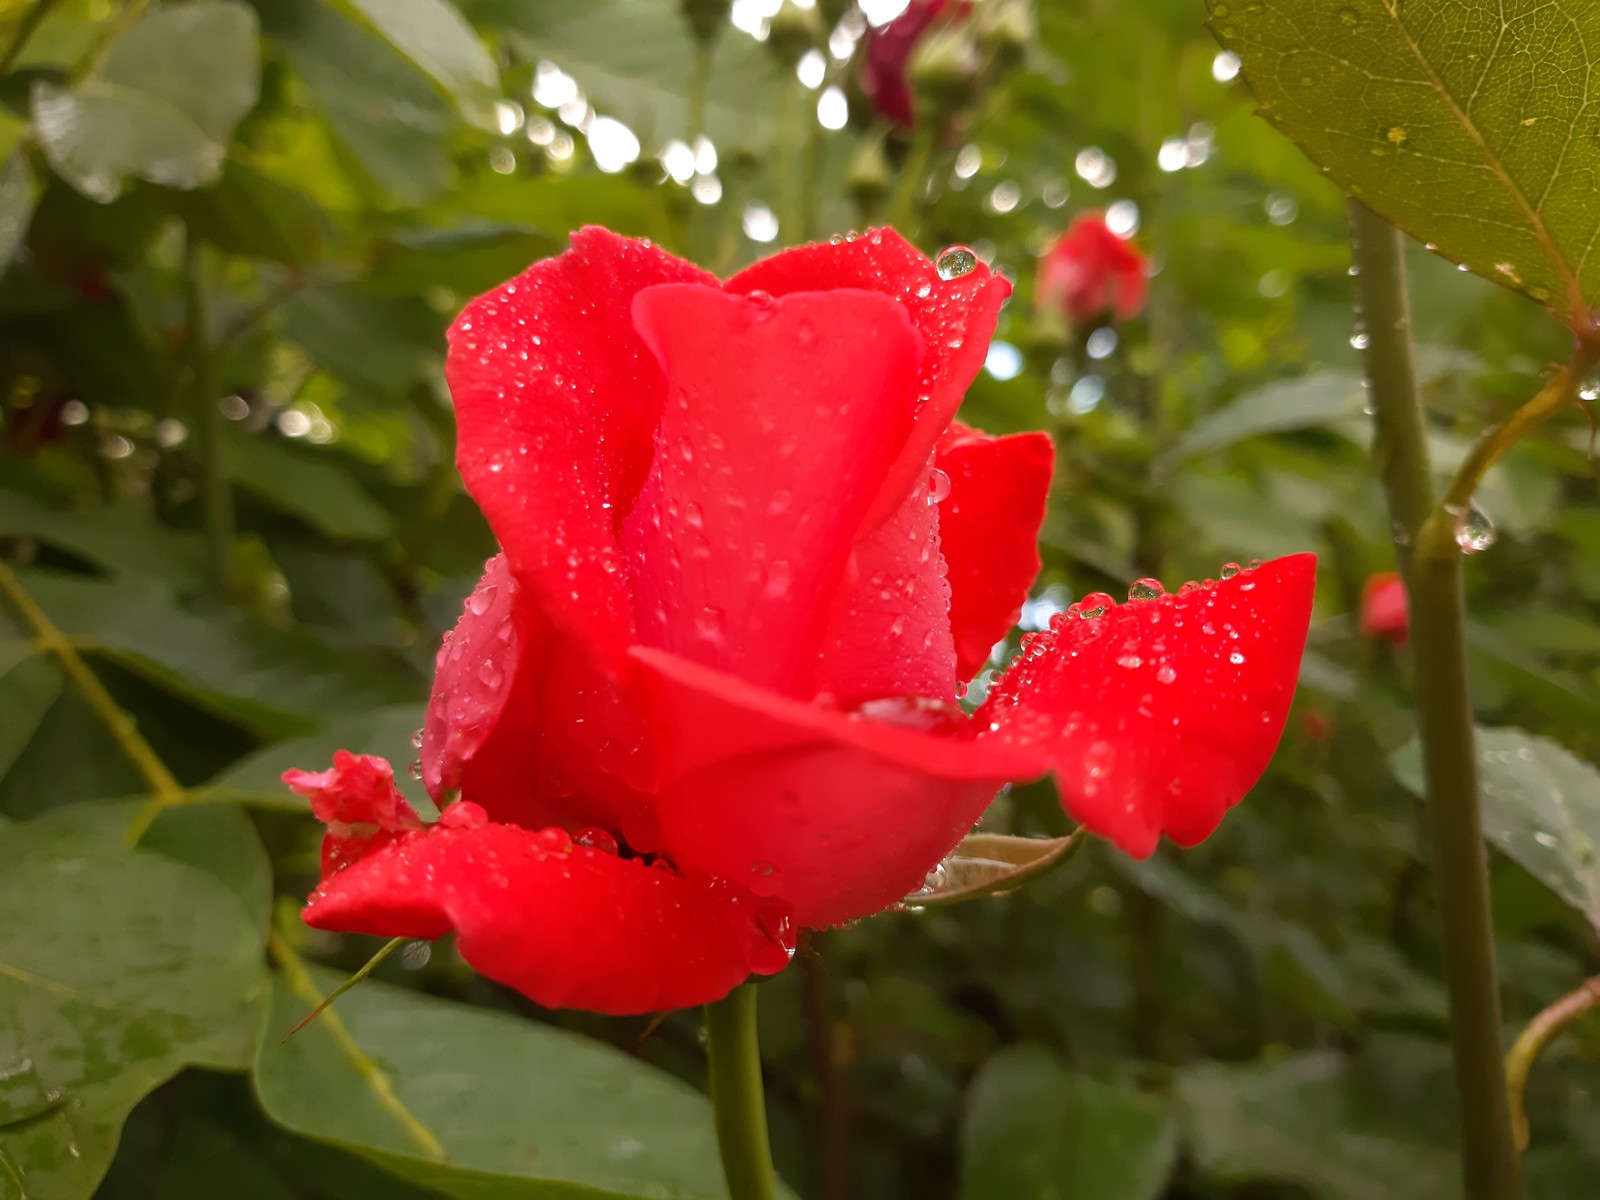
(1089, 272)
(1384, 612)
(888, 53)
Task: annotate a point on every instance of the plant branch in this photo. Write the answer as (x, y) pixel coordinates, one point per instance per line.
(1491, 1167)
(737, 1098)
(165, 788)
(1561, 391)
(1541, 1031)
(216, 496)
(302, 985)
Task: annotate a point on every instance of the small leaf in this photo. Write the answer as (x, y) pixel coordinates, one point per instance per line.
(321, 492)
(1034, 1129)
(18, 193)
(989, 864)
(27, 690)
(1478, 131)
(1541, 807)
(161, 106)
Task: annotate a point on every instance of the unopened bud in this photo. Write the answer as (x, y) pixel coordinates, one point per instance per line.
(868, 179)
(943, 72)
(706, 18)
(792, 31)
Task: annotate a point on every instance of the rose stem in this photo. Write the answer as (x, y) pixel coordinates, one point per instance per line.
(737, 1098)
(1432, 564)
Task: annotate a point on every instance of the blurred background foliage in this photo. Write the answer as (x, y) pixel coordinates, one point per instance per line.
(234, 235)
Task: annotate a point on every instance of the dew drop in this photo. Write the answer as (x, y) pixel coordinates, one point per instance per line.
(1146, 589)
(954, 262)
(1165, 673)
(1095, 604)
(415, 769)
(481, 598)
(1236, 658)
(416, 740)
(710, 622)
(596, 839)
(1473, 529)
(1229, 570)
(491, 674)
(1130, 661)
(938, 486)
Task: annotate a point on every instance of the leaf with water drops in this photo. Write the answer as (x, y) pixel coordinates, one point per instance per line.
(522, 1109)
(991, 864)
(1541, 806)
(1474, 126)
(117, 968)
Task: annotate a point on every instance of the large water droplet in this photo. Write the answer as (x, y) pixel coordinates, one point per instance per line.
(415, 769)
(1229, 570)
(709, 622)
(1146, 589)
(954, 262)
(481, 598)
(596, 839)
(416, 739)
(938, 486)
(1473, 529)
(1095, 604)
(491, 674)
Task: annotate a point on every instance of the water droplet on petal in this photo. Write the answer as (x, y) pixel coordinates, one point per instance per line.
(938, 486)
(415, 769)
(596, 839)
(709, 622)
(1146, 589)
(954, 262)
(416, 740)
(481, 598)
(1229, 570)
(1165, 673)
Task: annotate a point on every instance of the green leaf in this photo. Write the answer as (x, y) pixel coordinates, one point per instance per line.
(990, 864)
(250, 214)
(386, 732)
(1476, 129)
(279, 682)
(435, 37)
(117, 969)
(1034, 1129)
(122, 538)
(1541, 806)
(161, 106)
(1304, 1120)
(1277, 407)
(521, 1109)
(388, 116)
(383, 344)
(27, 691)
(321, 492)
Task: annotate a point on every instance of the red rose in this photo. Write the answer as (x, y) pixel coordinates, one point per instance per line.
(1383, 608)
(707, 693)
(1089, 272)
(889, 49)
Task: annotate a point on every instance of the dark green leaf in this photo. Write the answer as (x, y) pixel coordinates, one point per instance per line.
(1474, 126)
(1303, 1120)
(1033, 1129)
(122, 539)
(1541, 806)
(522, 1109)
(27, 690)
(250, 214)
(118, 967)
(321, 492)
(381, 343)
(161, 106)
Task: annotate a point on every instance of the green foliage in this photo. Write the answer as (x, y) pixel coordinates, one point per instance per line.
(1473, 129)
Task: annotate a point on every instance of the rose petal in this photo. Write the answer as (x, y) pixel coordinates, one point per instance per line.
(358, 790)
(1161, 714)
(890, 634)
(525, 723)
(557, 401)
(782, 417)
(565, 925)
(956, 318)
(989, 532)
(838, 814)
(1385, 612)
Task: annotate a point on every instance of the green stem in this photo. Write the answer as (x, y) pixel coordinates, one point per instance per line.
(699, 87)
(215, 494)
(164, 787)
(906, 205)
(1541, 1031)
(31, 20)
(737, 1098)
(1424, 540)
(791, 151)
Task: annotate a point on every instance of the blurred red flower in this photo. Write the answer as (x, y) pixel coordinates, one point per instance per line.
(888, 52)
(708, 692)
(1384, 612)
(1089, 272)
